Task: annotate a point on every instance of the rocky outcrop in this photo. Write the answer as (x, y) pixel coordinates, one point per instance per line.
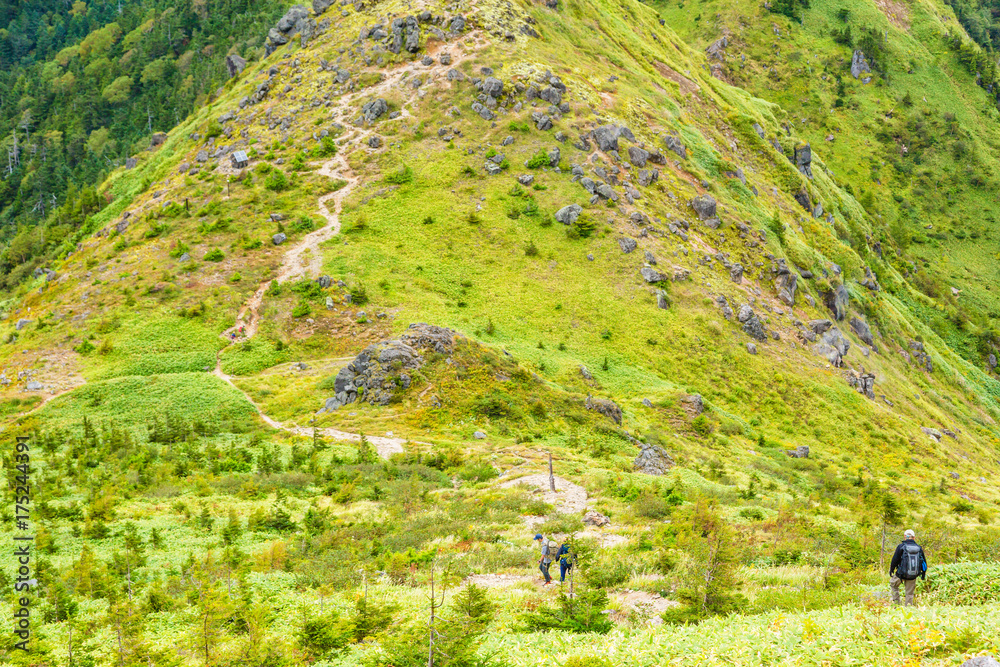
(695, 402)
(803, 159)
(920, 355)
(751, 323)
(863, 382)
(295, 21)
(383, 368)
(674, 144)
(235, 65)
(837, 301)
(653, 460)
(605, 407)
(833, 346)
(800, 452)
(860, 327)
(568, 214)
(606, 136)
(375, 109)
(596, 519)
(704, 206)
(859, 67)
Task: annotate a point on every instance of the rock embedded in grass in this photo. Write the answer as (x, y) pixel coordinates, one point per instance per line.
(569, 214)
(627, 244)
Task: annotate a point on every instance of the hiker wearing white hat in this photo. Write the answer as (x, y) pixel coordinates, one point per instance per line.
(908, 563)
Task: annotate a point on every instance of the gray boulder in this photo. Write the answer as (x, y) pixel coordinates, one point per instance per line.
(34, 385)
(651, 275)
(492, 86)
(859, 66)
(279, 238)
(803, 160)
(605, 407)
(833, 346)
(483, 112)
(627, 245)
(648, 176)
(820, 326)
(800, 452)
(861, 328)
(981, 661)
(992, 360)
(704, 206)
(525, 179)
(652, 460)
(405, 34)
(235, 65)
(606, 136)
(479, 435)
(674, 144)
(596, 519)
(292, 17)
(568, 214)
(786, 285)
(933, 433)
(320, 6)
(736, 273)
(837, 301)
(606, 191)
(21, 324)
(383, 368)
(637, 156)
(374, 109)
(695, 401)
(864, 383)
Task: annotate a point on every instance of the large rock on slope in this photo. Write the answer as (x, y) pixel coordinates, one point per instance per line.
(320, 6)
(606, 136)
(605, 407)
(833, 346)
(837, 301)
(235, 65)
(653, 460)
(568, 214)
(382, 368)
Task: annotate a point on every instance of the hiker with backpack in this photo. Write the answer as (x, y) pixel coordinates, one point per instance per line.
(549, 551)
(565, 562)
(908, 563)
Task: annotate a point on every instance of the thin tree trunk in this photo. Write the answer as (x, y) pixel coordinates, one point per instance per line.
(552, 477)
(430, 634)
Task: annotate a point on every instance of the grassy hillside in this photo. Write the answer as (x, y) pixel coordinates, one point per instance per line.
(194, 505)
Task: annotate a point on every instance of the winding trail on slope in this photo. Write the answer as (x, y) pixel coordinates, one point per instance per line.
(304, 259)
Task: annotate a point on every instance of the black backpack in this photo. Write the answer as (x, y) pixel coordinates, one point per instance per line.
(909, 562)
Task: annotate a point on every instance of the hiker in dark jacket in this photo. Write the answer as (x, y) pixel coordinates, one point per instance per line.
(565, 562)
(908, 563)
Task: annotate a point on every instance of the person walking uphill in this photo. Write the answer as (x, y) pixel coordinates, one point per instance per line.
(565, 562)
(907, 564)
(549, 551)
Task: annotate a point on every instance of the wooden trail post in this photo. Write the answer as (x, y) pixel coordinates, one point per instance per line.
(552, 478)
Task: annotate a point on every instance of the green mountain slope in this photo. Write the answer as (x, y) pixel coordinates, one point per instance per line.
(626, 266)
